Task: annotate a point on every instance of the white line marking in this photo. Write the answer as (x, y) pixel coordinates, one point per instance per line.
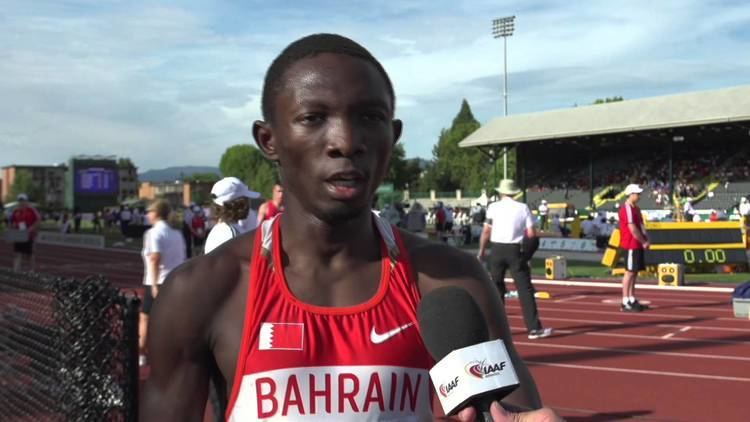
(570, 299)
(522, 330)
(646, 314)
(668, 336)
(640, 371)
(683, 329)
(631, 351)
(619, 285)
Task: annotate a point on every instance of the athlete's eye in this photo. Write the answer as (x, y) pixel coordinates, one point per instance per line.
(311, 118)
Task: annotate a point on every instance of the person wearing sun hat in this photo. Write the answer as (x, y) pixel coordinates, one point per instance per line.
(509, 228)
(634, 240)
(231, 204)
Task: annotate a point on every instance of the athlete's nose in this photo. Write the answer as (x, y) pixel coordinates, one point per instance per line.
(344, 139)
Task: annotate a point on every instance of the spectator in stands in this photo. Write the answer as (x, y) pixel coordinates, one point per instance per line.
(688, 211)
(478, 214)
(231, 204)
(77, 217)
(416, 219)
(198, 230)
(125, 217)
(187, 231)
(97, 222)
(744, 210)
(64, 222)
(543, 213)
(440, 221)
(588, 229)
(634, 240)
(26, 219)
(163, 251)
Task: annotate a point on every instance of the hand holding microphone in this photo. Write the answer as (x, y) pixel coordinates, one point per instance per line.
(472, 374)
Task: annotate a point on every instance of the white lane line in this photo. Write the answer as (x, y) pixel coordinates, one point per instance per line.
(632, 351)
(672, 334)
(639, 371)
(619, 285)
(646, 314)
(636, 336)
(570, 299)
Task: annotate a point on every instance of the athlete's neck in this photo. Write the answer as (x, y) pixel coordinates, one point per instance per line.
(304, 234)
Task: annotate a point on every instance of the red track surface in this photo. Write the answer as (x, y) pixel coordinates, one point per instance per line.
(686, 359)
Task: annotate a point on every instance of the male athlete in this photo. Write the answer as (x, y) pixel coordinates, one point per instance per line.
(273, 206)
(313, 315)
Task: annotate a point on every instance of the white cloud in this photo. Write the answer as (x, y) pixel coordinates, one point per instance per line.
(169, 85)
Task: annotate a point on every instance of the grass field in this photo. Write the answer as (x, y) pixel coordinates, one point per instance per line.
(582, 269)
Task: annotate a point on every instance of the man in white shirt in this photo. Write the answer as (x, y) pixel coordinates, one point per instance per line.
(163, 251)
(510, 229)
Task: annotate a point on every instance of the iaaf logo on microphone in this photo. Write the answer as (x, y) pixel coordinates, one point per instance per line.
(481, 369)
(447, 389)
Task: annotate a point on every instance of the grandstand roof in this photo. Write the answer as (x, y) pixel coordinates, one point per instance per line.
(672, 111)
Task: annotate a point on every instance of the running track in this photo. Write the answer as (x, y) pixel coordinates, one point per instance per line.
(686, 359)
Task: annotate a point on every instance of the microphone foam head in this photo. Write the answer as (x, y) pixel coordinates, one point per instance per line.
(450, 319)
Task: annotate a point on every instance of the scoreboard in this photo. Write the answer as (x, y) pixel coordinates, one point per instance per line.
(691, 244)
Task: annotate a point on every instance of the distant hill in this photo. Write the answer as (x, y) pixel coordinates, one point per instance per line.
(174, 173)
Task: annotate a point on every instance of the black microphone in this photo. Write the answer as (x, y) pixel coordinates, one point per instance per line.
(470, 370)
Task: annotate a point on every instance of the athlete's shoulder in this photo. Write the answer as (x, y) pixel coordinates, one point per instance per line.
(439, 262)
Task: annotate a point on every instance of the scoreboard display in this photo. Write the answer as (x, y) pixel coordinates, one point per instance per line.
(692, 244)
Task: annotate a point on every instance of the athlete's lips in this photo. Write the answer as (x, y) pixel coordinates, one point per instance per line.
(345, 175)
(347, 184)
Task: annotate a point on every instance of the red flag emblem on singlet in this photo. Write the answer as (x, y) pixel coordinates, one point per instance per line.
(281, 336)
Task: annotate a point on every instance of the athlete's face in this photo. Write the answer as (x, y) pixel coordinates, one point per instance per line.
(333, 134)
(635, 197)
(278, 194)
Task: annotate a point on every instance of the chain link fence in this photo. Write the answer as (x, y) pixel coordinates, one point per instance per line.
(68, 350)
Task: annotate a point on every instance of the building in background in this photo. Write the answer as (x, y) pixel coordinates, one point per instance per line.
(128, 174)
(47, 184)
(177, 193)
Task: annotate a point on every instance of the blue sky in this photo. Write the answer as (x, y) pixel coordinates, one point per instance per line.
(177, 82)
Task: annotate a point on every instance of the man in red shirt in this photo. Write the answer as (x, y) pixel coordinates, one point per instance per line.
(25, 218)
(274, 206)
(633, 239)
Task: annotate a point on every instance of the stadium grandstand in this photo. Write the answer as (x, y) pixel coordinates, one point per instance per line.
(693, 145)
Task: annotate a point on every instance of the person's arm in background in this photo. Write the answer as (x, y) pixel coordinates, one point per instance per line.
(484, 238)
(530, 242)
(154, 259)
(262, 211)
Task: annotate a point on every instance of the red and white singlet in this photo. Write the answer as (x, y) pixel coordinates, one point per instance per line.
(310, 363)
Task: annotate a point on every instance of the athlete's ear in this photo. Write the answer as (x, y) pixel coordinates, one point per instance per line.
(398, 127)
(265, 140)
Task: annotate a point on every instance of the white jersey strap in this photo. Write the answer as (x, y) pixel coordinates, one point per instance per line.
(385, 229)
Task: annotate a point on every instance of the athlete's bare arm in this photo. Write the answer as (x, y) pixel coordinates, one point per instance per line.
(195, 328)
(438, 265)
(262, 211)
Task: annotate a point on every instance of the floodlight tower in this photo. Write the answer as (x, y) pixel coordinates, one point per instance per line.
(503, 27)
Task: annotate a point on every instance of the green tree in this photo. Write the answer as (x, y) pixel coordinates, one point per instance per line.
(202, 177)
(607, 100)
(402, 172)
(248, 164)
(124, 162)
(24, 183)
(454, 167)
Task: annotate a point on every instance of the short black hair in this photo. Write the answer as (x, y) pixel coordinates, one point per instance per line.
(311, 46)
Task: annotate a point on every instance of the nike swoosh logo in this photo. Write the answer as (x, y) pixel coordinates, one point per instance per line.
(380, 338)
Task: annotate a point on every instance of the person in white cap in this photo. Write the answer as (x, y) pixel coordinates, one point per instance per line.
(231, 205)
(26, 219)
(509, 227)
(634, 240)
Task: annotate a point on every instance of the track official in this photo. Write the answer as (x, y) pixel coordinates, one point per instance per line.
(510, 229)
